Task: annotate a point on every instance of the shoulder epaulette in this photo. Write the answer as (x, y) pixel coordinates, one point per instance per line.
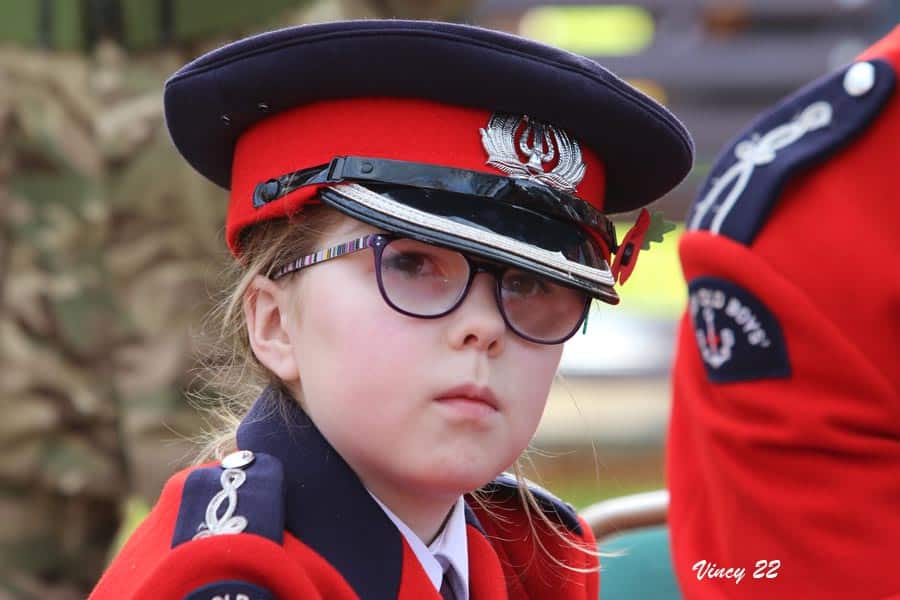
(505, 486)
(243, 494)
(799, 132)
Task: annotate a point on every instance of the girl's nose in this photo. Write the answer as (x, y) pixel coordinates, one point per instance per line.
(477, 321)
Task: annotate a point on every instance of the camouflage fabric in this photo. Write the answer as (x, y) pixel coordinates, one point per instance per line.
(108, 241)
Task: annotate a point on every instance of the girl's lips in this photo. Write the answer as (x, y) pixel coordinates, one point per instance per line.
(472, 393)
(467, 408)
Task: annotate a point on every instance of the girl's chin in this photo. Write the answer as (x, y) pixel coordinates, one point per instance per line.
(456, 481)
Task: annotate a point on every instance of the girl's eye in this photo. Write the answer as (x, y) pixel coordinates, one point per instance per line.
(411, 264)
(524, 284)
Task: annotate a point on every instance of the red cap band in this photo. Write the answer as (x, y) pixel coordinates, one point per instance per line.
(395, 128)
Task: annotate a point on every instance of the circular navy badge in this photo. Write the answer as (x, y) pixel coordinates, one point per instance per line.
(737, 336)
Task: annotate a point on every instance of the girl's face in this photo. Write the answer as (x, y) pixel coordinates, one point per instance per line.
(369, 377)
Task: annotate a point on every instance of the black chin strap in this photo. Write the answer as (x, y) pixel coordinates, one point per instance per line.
(514, 190)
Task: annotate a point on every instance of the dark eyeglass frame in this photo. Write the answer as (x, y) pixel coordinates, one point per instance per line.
(379, 241)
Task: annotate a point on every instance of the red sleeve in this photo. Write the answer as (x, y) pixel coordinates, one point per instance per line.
(796, 478)
(146, 547)
(148, 567)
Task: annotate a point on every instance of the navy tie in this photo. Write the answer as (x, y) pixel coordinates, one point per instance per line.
(447, 592)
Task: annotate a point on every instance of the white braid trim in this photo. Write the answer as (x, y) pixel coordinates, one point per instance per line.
(406, 213)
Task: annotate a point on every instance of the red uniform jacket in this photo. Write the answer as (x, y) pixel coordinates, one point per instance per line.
(309, 529)
(784, 443)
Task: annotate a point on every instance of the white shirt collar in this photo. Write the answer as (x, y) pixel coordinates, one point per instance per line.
(451, 545)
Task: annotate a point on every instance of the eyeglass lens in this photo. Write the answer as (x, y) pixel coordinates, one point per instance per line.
(429, 281)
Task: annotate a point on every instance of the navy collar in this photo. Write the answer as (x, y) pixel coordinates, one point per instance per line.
(326, 505)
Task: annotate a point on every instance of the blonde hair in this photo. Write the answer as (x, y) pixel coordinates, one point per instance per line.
(232, 377)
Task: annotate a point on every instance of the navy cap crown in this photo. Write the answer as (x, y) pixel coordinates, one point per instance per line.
(212, 100)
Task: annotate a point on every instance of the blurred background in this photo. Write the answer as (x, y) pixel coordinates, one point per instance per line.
(111, 248)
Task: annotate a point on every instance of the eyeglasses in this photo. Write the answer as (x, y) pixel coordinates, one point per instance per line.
(428, 281)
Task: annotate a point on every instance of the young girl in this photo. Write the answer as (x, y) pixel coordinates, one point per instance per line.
(418, 212)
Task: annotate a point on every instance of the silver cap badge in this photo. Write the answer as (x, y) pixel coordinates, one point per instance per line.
(546, 143)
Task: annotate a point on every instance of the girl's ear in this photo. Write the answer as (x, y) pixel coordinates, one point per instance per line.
(264, 305)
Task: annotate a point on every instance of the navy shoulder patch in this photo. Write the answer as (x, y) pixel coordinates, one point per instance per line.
(244, 494)
(738, 336)
(505, 486)
(798, 133)
(230, 590)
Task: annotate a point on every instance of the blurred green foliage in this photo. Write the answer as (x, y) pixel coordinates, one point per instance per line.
(611, 30)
